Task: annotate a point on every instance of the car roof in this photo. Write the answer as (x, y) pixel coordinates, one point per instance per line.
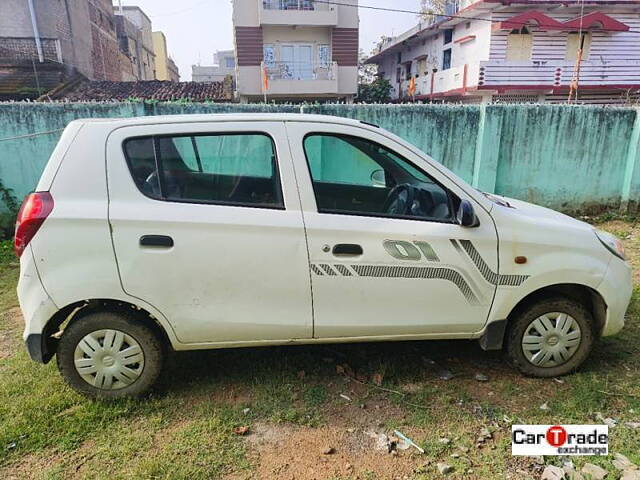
(224, 117)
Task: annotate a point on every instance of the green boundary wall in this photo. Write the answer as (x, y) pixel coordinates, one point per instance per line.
(571, 158)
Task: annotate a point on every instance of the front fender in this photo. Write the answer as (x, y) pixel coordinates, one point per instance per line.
(507, 298)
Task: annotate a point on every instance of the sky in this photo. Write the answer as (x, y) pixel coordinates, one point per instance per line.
(195, 29)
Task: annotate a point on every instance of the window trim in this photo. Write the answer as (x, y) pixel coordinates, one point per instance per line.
(281, 205)
(447, 67)
(584, 43)
(448, 33)
(450, 195)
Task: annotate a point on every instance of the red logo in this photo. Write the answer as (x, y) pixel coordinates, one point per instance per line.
(556, 436)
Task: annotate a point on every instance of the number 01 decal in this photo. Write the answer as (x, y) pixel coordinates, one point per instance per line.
(403, 250)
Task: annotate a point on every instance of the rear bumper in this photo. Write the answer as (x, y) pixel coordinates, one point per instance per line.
(37, 309)
(616, 289)
(39, 350)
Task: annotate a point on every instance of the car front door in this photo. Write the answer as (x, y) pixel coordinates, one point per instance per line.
(387, 257)
(207, 227)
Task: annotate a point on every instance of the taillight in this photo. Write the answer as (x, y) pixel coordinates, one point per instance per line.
(35, 208)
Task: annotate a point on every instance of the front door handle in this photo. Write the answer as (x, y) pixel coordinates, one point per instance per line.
(347, 249)
(162, 241)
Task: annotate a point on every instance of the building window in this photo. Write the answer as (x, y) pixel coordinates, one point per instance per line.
(446, 59)
(269, 55)
(519, 45)
(399, 74)
(399, 57)
(230, 62)
(448, 35)
(422, 66)
(407, 70)
(324, 56)
(575, 42)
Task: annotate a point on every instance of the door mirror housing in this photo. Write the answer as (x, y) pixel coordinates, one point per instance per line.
(378, 178)
(466, 216)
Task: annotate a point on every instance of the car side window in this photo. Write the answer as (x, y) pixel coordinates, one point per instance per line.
(353, 175)
(232, 169)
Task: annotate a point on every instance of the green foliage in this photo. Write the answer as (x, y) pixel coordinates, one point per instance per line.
(7, 217)
(378, 91)
(8, 281)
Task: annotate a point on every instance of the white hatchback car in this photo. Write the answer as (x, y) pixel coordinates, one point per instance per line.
(216, 231)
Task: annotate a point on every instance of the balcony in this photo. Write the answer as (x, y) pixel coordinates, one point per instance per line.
(524, 75)
(453, 81)
(558, 74)
(296, 78)
(298, 12)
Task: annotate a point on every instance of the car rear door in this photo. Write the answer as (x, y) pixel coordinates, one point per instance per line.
(376, 274)
(207, 227)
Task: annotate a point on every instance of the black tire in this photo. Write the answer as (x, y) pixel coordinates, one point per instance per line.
(125, 322)
(521, 320)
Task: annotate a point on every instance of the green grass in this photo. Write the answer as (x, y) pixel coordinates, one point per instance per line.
(184, 429)
(9, 269)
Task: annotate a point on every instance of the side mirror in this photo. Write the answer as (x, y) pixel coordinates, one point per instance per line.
(466, 217)
(378, 178)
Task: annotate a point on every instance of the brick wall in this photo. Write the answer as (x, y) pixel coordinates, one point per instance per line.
(25, 48)
(105, 54)
(85, 30)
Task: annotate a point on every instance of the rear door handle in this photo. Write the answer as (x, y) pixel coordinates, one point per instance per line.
(347, 249)
(162, 241)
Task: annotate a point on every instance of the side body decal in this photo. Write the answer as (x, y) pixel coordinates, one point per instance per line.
(488, 274)
(415, 251)
(392, 271)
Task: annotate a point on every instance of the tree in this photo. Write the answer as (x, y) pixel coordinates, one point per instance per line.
(367, 72)
(378, 91)
(429, 9)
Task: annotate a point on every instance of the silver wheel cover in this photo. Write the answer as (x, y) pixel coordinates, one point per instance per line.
(109, 359)
(551, 339)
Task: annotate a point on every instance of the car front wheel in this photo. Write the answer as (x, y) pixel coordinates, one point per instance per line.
(551, 337)
(109, 355)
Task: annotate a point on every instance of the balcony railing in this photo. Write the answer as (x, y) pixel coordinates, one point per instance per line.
(449, 81)
(300, 71)
(556, 73)
(304, 5)
(297, 12)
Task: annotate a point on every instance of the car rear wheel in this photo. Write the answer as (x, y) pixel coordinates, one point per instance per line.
(550, 337)
(109, 355)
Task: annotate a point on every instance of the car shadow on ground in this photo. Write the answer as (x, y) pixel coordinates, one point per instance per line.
(400, 362)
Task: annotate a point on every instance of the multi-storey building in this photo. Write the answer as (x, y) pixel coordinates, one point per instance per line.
(173, 73)
(129, 40)
(136, 41)
(224, 64)
(41, 47)
(296, 49)
(166, 68)
(519, 50)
